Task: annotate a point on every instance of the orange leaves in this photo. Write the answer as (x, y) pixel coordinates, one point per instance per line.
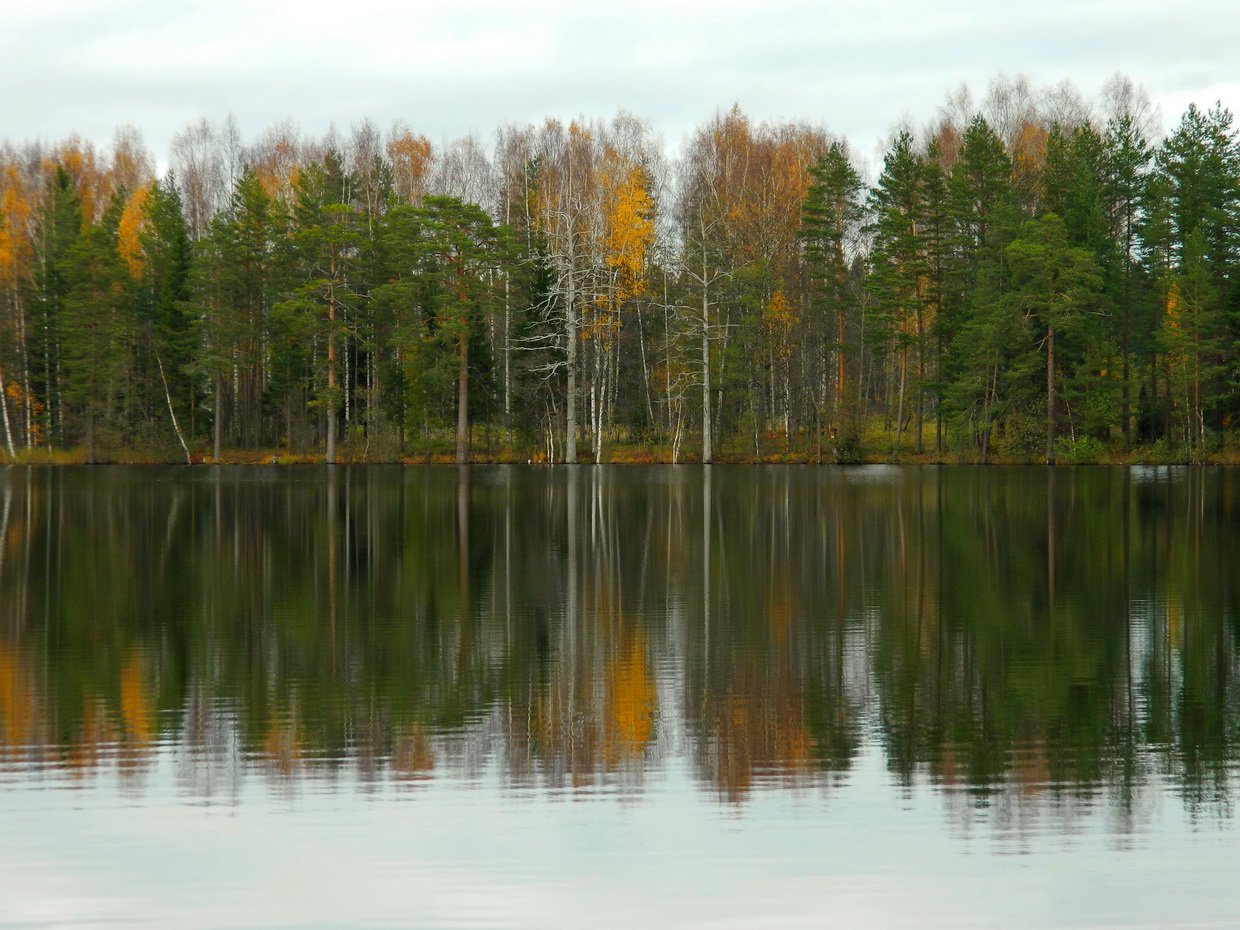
(753, 181)
(578, 132)
(137, 709)
(18, 698)
(129, 232)
(410, 157)
(413, 756)
(275, 162)
(14, 227)
(89, 180)
(631, 698)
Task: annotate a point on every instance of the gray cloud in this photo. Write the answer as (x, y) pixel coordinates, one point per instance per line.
(469, 66)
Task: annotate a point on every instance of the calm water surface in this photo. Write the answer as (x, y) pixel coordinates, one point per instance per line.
(530, 697)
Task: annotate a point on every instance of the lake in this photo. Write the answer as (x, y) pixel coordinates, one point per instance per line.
(612, 696)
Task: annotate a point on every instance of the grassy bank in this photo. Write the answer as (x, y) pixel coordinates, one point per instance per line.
(770, 450)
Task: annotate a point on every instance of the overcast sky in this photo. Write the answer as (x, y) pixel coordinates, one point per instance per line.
(88, 66)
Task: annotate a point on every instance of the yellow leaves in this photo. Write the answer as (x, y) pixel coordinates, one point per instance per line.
(1029, 149)
(1172, 305)
(29, 401)
(601, 325)
(629, 232)
(779, 319)
(779, 316)
(129, 232)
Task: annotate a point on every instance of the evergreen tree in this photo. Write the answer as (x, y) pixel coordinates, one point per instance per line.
(1054, 286)
(97, 332)
(1199, 165)
(830, 218)
(325, 241)
(982, 209)
(899, 270)
(58, 226)
(1126, 159)
(231, 284)
(166, 330)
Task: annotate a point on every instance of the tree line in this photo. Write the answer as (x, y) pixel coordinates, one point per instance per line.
(1030, 277)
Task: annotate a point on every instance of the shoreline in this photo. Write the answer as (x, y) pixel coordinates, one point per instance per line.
(241, 458)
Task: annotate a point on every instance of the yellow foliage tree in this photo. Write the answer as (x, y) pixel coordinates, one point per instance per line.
(14, 227)
(780, 320)
(410, 156)
(629, 233)
(79, 161)
(129, 232)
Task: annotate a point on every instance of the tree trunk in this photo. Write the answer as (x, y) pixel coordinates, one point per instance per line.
(8, 430)
(331, 377)
(895, 449)
(706, 436)
(172, 413)
(570, 333)
(218, 426)
(918, 445)
(841, 369)
(1050, 395)
(641, 344)
(988, 392)
(462, 403)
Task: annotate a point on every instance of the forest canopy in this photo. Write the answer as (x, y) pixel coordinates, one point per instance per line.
(1034, 277)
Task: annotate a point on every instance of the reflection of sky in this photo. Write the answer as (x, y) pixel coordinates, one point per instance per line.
(472, 852)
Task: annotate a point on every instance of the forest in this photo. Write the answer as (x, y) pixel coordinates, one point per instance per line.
(1029, 277)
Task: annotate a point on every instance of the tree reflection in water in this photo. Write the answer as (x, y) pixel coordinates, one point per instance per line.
(1032, 642)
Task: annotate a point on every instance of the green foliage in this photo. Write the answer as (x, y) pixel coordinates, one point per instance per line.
(1081, 450)
(59, 225)
(97, 333)
(1077, 274)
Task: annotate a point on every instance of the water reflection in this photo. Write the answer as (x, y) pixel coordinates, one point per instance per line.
(1031, 643)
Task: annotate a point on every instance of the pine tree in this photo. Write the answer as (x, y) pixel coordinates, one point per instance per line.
(1054, 285)
(1199, 169)
(166, 330)
(982, 209)
(899, 270)
(1126, 159)
(97, 330)
(231, 287)
(58, 226)
(325, 240)
(830, 220)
